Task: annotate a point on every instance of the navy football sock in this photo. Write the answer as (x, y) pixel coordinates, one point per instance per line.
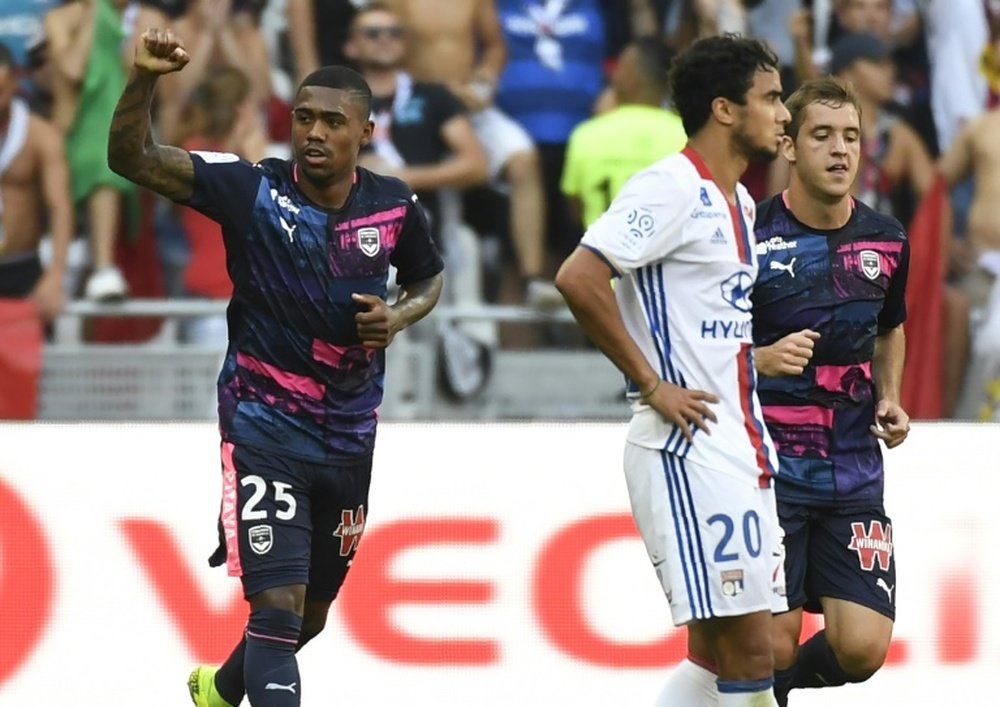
(270, 670)
(817, 666)
(229, 678)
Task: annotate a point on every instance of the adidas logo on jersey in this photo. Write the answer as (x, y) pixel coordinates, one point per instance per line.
(718, 238)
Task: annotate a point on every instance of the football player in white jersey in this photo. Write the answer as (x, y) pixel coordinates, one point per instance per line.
(698, 459)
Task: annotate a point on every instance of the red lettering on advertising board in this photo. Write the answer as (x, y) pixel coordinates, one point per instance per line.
(26, 582)
(209, 633)
(371, 592)
(558, 598)
(957, 624)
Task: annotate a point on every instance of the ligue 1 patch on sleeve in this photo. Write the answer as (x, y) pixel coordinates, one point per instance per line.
(216, 157)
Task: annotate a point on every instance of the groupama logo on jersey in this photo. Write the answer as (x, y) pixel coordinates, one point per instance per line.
(736, 290)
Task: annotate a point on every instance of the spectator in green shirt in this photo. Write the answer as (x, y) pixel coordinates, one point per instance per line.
(605, 151)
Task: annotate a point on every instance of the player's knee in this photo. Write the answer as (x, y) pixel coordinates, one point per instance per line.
(786, 649)
(746, 655)
(861, 655)
(289, 598)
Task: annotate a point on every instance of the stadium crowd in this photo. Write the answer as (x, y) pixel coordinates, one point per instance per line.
(516, 121)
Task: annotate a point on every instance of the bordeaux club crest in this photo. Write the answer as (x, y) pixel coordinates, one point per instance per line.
(871, 264)
(369, 241)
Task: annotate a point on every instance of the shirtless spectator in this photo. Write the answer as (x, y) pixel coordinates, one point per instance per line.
(976, 152)
(459, 43)
(34, 195)
(88, 75)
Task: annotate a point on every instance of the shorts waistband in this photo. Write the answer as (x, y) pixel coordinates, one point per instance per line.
(19, 273)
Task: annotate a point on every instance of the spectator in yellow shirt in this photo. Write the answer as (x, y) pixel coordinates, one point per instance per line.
(605, 151)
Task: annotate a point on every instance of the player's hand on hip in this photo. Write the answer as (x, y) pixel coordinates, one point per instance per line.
(160, 51)
(683, 407)
(788, 356)
(892, 424)
(377, 323)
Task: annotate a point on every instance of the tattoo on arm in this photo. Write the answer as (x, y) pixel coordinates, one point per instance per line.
(132, 152)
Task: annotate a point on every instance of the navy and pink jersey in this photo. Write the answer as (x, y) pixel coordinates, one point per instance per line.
(296, 379)
(848, 284)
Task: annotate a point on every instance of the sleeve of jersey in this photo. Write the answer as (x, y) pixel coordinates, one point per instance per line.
(894, 308)
(225, 188)
(415, 256)
(642, 225)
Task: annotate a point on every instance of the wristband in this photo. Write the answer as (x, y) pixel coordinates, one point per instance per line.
(644, 396)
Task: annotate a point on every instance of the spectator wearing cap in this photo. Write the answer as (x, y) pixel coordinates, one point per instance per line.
(896, 166)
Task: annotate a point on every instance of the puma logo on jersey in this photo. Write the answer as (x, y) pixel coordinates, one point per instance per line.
(881, 584)
(290, 230)
(278, 686)
(787, 267)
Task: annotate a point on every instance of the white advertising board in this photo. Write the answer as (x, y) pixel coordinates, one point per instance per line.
(499, 566)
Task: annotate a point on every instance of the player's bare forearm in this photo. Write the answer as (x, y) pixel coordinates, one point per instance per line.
(133, 154)
(584, 280)
(418, 299)
(887, 363)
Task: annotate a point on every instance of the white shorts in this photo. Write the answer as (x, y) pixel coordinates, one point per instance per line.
(715, 542)
(501, 137)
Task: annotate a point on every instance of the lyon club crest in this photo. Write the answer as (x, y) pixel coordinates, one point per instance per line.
(871, 264)
(369, 241)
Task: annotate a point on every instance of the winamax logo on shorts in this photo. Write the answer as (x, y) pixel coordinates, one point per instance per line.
(873, 545)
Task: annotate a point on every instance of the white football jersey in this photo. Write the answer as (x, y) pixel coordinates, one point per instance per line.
(686, 261)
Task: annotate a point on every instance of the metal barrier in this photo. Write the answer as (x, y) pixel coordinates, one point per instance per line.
(165, 379)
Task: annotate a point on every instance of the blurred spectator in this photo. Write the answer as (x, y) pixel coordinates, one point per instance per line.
(219, 116)
(605, 151)
(422, 133)
(684, 21)
(218, 33)
(38, 91)
(769, 20)
(976, 153)
(460, 43)
(21, 22)
(33, 184)
(85, 39)
(894, 159)
(956, 36)
(553, 75)
(895, 22)
(318, 30)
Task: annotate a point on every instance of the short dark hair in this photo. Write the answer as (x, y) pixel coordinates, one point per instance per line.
(7, 56)
(345, 79)
(716, 67)
(653, 60)
(829, 91)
